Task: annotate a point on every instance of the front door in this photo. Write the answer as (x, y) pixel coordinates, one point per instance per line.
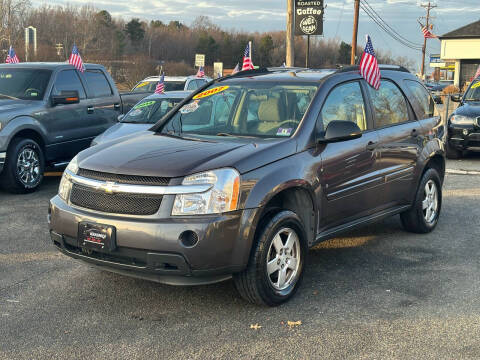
(348, 173)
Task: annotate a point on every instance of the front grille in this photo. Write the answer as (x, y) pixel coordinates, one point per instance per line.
(128, 204)
(124, 179)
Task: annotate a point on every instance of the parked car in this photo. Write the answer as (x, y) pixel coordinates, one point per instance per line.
(48, 113)
(249, 173)
(436, 89)
(172, 83)
(143, 115)
(464, 123)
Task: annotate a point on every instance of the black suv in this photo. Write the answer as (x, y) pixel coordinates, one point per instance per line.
(242, 177)
(464, 123)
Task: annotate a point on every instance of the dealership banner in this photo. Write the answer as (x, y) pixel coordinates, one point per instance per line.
(309, 17)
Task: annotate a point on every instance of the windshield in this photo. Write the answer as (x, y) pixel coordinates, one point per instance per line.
(247, 109)
(149, 86)
(25, 84)
(149, 111)
(473, 93)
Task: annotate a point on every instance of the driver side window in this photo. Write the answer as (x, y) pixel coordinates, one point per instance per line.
(68, 80)
(345, 102)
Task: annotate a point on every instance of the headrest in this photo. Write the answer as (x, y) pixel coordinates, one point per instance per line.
(269, 111)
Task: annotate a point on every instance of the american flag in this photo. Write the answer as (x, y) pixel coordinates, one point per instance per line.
(247, 59)
(427, 34)
(369, 66)
(237, 69)
(160, 89)
(477, 74)
(76, 60)
(201, 72)
(12, 58)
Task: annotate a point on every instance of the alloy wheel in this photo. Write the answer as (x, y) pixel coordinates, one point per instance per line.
(28, 166)
(430, 202)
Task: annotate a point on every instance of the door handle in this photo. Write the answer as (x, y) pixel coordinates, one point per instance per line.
(90, 109)
(116, 106)
(372, 145)
(414, 133)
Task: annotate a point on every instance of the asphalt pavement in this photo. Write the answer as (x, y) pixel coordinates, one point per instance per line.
(376, 293)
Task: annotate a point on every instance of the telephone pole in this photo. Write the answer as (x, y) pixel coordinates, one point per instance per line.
(355, 32)
(290, 57)
(428, 7)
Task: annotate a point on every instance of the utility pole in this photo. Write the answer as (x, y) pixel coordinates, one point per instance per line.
(429, 7)
(290, 57)
(355, 32)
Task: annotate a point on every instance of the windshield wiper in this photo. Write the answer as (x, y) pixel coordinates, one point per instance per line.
(471, 99)
(9, 97)
(225, 134)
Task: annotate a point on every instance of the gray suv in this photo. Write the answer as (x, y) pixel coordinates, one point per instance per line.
(242, 177)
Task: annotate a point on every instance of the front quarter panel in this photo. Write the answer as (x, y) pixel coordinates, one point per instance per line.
(18, 124)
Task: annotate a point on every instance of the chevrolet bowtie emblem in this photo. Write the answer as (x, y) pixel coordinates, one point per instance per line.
(109, 187)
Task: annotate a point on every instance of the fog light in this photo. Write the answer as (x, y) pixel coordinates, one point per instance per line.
(465, 132)
(188, 238)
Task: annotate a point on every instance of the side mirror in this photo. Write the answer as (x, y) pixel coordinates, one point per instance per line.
(456, 98)
(340, 130)
(120, 117)
(66, 97)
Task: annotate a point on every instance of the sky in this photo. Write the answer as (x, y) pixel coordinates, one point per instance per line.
(267, 15)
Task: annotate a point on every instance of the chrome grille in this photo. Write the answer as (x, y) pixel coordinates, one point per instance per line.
(124, 179)
(115, 203)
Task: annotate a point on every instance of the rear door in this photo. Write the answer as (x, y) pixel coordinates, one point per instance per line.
(348, 172)
(67, 124)
(104, 106)
(400, 141)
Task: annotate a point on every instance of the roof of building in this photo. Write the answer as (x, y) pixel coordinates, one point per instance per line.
(468, 31)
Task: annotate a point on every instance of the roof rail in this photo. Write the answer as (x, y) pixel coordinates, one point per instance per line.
(345, 68)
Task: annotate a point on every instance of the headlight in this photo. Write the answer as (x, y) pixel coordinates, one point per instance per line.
(65, 183)
(222, 197)
(461, 120)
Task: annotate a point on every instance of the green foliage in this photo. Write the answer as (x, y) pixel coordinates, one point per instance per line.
(207, 45)
(344, 53)
(265, 51)
(135, 31)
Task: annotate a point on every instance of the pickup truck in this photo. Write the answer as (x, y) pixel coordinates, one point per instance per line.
(48, 113)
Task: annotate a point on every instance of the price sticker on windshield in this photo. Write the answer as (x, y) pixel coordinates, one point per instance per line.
(476, 85)
(144, 104)
(210, 92)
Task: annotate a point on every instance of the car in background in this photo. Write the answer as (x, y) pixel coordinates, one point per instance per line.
(172, 83)
(436, 89)
(143, 115)
(464, 123)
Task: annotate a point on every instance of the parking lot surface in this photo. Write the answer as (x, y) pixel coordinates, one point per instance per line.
(376, 293)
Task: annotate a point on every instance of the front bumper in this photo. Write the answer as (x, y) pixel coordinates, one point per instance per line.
(149, 247)
(464, 137)
(3, 157)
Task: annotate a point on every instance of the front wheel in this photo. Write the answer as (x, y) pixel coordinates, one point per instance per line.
(423, 216)
(276, 264)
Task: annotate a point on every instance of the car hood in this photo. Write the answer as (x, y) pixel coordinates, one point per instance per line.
(151, 154)
(470, 109)
(120, 130)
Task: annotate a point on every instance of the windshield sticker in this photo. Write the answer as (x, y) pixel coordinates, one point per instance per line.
(142, 84)
(284, 132)
(189, 108)
(145, 104)
(135, 112)
(477, 84)
(211, 92)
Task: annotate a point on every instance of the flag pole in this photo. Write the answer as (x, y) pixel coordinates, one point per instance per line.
(250, 46)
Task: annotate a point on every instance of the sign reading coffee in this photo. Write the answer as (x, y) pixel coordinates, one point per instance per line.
(308, 17)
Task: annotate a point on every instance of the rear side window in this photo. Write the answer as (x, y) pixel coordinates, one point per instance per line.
(422, 97)
(192, 85)
(98, 83)
(345, 102)
(68, 80)
(389, 105)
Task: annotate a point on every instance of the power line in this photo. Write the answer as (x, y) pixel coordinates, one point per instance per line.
(384, 27)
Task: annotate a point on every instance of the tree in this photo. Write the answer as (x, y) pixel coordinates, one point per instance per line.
(208, 46)
(265, 51)
(135, 31)
(344, 53)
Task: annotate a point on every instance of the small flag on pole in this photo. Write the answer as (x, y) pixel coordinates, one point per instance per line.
(427, 34)
(12, 58)
(160, 89)
(76, 60)
(247, 58)
(369, 66)
(236, 70)
(201, 72)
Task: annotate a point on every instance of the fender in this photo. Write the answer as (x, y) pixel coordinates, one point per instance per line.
(18, 124)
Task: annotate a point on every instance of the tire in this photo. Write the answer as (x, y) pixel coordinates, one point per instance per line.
(418, 219)
(453, 153)
(23, 179)
(255, 284)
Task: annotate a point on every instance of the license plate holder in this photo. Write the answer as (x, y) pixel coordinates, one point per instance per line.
(97, 237)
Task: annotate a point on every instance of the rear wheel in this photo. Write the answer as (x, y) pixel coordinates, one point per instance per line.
(24, 166)
(275, 268)
(423, 216)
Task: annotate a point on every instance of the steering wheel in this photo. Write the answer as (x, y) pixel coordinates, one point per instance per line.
(290, 124)
(29, 92)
